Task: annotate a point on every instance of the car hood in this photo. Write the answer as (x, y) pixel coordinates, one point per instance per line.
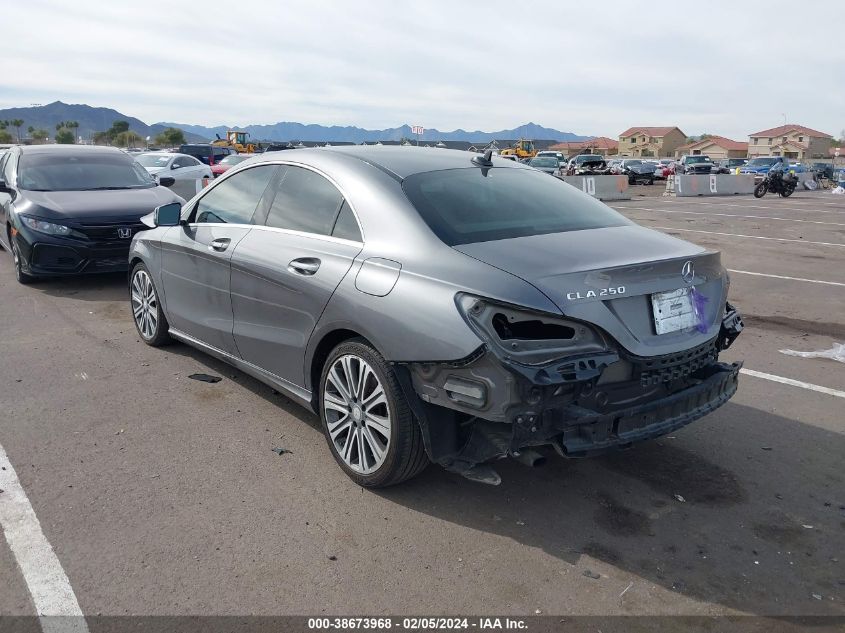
(607, 276)
(83, 205)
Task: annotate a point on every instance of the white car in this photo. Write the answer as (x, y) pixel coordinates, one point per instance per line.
(177, 166)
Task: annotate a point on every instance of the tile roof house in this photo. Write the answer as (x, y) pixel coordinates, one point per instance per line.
(792, 141)
(659, 142)
(716, 147)
(600, 145)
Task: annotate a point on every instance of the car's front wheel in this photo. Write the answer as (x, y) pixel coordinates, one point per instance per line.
(368, 424)
(146, 309)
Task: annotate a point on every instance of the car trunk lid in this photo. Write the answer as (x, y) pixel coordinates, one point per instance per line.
(608, 276)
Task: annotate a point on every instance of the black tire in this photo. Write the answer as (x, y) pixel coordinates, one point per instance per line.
(788, 190)
(760, 190)
(20, 275)
(405, 454)
(158, 334)
(651, 181)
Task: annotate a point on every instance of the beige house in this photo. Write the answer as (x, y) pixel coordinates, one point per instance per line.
(716, 147)
(791, 141)
(660, 142)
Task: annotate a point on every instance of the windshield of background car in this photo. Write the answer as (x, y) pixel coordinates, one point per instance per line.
(233, 159)
(759, 162)
(633, 162)
(464, 206)
(154, 160)
(699, 159)
(543, 161)
(66, 171)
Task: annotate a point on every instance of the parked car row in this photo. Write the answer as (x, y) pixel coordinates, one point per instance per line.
(424, 310)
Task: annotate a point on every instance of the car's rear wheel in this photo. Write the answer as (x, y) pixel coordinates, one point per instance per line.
(17, 258)
(368, 425)
(146, 309)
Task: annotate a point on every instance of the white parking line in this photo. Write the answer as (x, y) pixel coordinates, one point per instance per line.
(47, 582)
(812, 281)
(752, 237)
(794, 383)
(752, 206)
(738, 215)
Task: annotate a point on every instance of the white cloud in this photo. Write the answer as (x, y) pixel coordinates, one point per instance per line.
(592, 68)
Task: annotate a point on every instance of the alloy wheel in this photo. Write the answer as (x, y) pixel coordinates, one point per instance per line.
(144, 304)
(357, 414)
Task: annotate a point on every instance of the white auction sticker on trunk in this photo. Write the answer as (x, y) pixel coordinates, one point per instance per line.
(673, 310)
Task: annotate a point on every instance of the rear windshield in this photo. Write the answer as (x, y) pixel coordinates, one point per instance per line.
(464, 206)
(88, 171)
(543, 161)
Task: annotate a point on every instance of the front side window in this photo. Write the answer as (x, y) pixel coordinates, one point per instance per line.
(305, 201)
(464, 206)
(235, 199)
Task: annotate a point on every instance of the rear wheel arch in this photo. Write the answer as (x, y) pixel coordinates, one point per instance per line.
(327, 343)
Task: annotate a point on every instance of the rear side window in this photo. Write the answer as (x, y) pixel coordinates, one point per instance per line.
(235, 200)
(305, 201)
(463, 206)
(346, 226)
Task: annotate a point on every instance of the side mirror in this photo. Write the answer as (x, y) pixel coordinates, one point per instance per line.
(168, 214)
(166, 181)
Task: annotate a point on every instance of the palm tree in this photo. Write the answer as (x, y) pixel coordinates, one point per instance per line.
(74, 125)
(17, 123)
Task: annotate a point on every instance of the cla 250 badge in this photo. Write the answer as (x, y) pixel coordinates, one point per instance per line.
(591, 294)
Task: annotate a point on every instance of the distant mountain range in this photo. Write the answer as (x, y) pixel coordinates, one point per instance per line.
(90, 119)
(288, 131)
(93, 120)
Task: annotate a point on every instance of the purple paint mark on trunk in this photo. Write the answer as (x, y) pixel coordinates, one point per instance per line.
(699, 300)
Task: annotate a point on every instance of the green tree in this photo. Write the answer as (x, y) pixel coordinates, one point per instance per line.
(17, 124)
(127, 139)
(64, 136)
(171, 136)
(39, 134)
(5, 137)
(102, 138)
(119, 126)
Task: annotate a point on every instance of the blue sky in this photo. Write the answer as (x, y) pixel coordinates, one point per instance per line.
(728, 68)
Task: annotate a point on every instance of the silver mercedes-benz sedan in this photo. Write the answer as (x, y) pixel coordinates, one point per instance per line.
(436, 305)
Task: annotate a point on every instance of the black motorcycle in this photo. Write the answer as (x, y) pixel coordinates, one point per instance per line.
(777, 182)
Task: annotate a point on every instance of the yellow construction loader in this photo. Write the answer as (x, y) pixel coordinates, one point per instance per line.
(523, 148)
(236, 140)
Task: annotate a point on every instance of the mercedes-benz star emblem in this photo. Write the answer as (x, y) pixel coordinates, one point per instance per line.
(688, 272)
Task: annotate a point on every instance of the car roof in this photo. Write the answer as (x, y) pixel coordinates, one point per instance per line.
(399, 161)
(53, 149)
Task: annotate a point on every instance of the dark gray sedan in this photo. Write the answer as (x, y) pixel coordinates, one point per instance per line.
(435, 305)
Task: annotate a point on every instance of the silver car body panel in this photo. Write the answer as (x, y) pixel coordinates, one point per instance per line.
(400, 289)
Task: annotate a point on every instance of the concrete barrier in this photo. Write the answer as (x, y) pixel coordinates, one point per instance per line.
(189, 188)
(710, 185)
(601, 187)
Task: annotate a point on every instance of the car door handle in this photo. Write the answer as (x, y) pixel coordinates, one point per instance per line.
(220, 244)
(304, 266)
